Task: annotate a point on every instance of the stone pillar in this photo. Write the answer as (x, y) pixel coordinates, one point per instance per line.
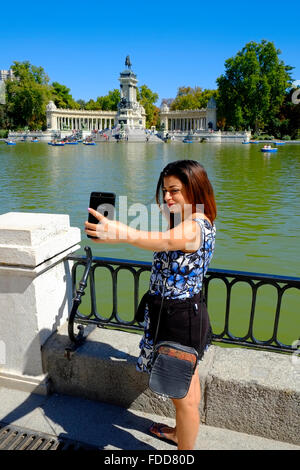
(35, 292)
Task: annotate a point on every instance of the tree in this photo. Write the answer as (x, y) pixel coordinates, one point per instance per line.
(27, 96)
(186, 98)
(192, 98)
(288, 120)
(92, 105)
(109, 102)
(82, 103)
(147, 98)
(62, 97)
(253, 87)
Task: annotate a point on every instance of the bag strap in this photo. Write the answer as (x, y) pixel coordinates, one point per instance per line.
(201, 292)
(161, 305)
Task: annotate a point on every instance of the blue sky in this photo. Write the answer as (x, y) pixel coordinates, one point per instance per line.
(84, 44)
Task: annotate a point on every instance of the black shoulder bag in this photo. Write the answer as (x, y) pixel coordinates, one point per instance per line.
(173, 363)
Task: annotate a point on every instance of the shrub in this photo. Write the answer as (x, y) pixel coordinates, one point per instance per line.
(3, 133)
(286, 137)
(265, 137)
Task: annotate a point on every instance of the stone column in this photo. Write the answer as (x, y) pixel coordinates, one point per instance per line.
(35, 292)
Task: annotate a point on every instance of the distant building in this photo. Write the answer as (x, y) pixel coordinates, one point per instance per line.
(78, 119)
(188, 120)
(130, 113)
(6, 74)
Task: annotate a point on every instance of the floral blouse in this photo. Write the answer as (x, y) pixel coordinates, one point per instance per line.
(176, 275)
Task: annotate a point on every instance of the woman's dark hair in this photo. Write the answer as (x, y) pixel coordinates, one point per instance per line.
(198, 187)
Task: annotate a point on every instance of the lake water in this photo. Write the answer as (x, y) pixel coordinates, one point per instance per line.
(257, 194)
(258, 222)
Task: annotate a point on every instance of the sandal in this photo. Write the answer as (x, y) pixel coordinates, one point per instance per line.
(156, 430)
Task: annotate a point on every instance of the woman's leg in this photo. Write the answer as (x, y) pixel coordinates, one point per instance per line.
(187, 415)
(187, 418)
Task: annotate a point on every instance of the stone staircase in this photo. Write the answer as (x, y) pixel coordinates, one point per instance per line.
(134, 135)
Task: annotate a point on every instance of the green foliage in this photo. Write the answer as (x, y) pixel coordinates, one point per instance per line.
(147, 98)
(82, 104)
(264, 137)
(288, 120)
(192, 98)
(253, 87)
(27, 96)
(92, 105)
(106, 103)
(110, 101)
(62, 97)
(3, 133)
(4, 122)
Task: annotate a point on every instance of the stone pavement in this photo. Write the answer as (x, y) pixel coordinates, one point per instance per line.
(112, 427)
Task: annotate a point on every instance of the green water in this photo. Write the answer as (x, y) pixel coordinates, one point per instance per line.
(257, 194)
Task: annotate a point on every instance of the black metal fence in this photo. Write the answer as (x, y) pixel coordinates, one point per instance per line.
(216, 280)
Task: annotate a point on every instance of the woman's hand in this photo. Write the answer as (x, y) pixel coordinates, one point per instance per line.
(106, 231)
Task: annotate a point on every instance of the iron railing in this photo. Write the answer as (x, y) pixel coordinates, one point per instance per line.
(137, 268)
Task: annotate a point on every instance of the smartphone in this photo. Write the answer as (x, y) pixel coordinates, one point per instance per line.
(103, 203)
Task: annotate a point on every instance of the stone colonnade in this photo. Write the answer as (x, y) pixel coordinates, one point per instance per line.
(188, 120)
(187, 124)
(78, 119)
(77, 123)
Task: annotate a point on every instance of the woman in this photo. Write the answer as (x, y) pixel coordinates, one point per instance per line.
(176, 276)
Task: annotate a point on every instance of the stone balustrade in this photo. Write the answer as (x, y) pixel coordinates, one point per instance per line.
(35, 291)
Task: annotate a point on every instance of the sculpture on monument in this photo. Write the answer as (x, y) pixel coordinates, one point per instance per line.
(130, 112)
(123, 103)
(127, 62)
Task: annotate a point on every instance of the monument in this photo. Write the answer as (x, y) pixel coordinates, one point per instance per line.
(131, 114)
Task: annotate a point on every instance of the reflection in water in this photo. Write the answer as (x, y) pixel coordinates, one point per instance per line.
(258, 223)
